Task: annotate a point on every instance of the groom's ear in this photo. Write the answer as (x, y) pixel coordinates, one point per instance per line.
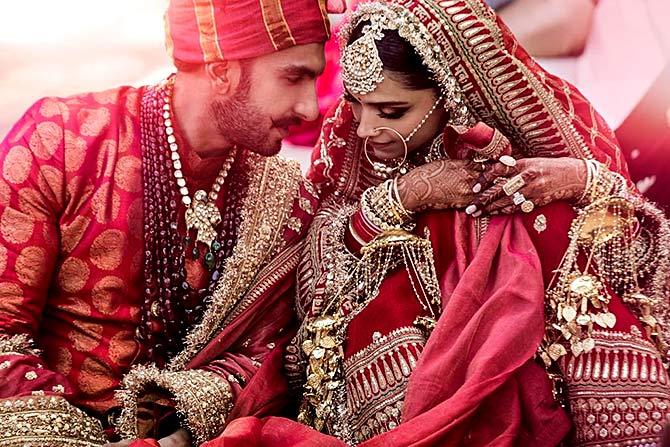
(224, 76)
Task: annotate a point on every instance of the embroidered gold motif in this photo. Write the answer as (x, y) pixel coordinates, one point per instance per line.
(311, 188)
(273, 182)
(73, 275)
(95, 377)
(306, 205)
(16, 227)
(295, 224)
(128, 173)
(93, 121)
(17, 164)
(47, 421)
(31, 266)
(20, 344)
(376, 380)
(46, 139)
(108, 249)
(75, 151)
(203, 398)
(619, 392)
(540, 223)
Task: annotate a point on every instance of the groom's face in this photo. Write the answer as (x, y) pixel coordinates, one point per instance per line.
(276, 91)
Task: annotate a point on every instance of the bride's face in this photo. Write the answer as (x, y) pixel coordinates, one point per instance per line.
(393, 104)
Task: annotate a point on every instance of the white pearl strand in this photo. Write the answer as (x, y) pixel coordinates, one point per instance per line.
(176, 160)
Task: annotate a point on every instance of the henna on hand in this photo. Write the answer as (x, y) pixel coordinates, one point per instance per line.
(547, 180)
(440, 184)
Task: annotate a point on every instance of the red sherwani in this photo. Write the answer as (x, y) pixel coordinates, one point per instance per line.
(71, 279)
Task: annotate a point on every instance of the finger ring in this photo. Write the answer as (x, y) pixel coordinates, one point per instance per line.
(527, 206)
(514, 184)
(518, 198)
(508, 161)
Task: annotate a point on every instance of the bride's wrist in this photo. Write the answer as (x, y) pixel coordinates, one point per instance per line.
(406, 200)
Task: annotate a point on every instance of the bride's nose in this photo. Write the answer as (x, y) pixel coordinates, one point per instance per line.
(366, 127)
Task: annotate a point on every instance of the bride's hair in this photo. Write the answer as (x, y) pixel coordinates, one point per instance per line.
(400, 59)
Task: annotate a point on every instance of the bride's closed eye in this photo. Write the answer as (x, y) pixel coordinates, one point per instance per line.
(392, 115)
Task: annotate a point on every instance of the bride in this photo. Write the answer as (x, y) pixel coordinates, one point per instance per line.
(480, 270)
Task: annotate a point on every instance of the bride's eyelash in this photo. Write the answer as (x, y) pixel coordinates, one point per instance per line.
(384, 115)
(393, 115)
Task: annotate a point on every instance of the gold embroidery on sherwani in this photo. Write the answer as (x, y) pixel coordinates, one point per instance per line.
(274, 183)
(31, 266)
(203, 398)
(73, 275)
(46, 139)
(51, 107)
(108, 249)
(42, 421)
(3, 259)
(15, 226)
(257, 261)
(94, 121)
(75, 151)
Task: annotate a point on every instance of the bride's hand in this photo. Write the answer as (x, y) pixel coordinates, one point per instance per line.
(441, 184)
(545, 180)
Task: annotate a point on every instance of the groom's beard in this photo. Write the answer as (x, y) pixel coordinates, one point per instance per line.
(245, 125)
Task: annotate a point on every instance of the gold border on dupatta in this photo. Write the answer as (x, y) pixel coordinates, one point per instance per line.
(526, 109)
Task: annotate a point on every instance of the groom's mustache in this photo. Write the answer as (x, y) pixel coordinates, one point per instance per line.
(287, 122)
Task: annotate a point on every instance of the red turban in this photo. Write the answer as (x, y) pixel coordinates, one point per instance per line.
(201, 31)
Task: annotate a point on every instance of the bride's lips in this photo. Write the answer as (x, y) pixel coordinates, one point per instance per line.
(376, 145)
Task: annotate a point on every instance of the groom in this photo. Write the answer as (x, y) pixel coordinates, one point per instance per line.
(148, 235)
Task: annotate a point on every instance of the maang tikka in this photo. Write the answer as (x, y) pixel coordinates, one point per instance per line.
(361, 65)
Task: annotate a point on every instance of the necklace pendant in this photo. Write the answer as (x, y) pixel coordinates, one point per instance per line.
(203, 215)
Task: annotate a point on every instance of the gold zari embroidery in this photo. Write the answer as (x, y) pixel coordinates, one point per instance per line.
(325, 332)
(203, 399)
(275, 183)
(20, 344)
(41, 421)
(376, 380)
(618, 392)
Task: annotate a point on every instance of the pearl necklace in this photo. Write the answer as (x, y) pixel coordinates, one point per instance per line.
(202, 214)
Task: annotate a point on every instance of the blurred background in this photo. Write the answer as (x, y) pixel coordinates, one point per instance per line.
(616, 51)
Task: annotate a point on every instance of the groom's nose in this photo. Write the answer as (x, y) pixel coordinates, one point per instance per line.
(307, 106)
